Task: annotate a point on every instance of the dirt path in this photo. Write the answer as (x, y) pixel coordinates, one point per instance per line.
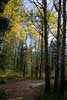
(24, 90)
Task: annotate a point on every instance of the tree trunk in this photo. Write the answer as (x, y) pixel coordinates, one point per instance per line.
(36, 62)
(56, 82)
(24, 70)
(62, 80)
(41, 64)
(47, 68)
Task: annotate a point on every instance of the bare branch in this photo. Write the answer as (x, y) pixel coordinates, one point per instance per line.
(37, 7)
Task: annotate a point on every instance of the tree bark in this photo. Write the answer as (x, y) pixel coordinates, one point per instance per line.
(47, 68)
(56, 82)
(41, 63)
(62, 80)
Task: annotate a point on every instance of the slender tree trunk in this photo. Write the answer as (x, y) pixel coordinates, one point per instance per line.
(16, 57)
(17, 65)
(47, 68)
(52, 60)
(22, 59)
(38, 58)
(56, 82)
(36, 62)
(24, 62)
(24, 70)
(41, 64)
(31, 57)
(62, 80)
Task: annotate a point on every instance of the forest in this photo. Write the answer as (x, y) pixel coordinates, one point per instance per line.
(33, 46)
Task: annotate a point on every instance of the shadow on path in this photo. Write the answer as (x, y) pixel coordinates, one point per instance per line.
(24, 90)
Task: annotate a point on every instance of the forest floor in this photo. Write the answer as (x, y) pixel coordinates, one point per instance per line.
(23, 90)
